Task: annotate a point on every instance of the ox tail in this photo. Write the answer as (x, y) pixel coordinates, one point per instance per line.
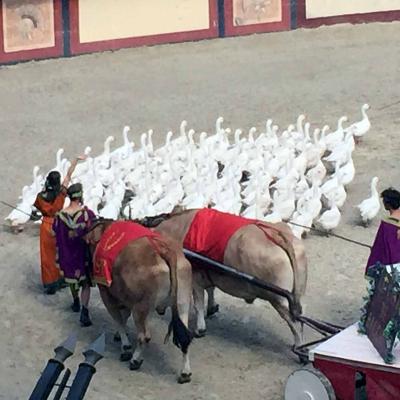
(181, 336)
(285, 244)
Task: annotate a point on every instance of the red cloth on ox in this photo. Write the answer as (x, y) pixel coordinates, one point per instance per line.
(210, 232)
(112, 242)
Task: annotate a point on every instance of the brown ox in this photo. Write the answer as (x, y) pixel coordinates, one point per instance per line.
(281, 262)
(143, 278)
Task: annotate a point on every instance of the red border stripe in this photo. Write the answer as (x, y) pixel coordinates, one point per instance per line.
(47, 52)
(79, 48)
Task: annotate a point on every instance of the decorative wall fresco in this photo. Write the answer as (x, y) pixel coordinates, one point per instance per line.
(27, 24)
(249, 12)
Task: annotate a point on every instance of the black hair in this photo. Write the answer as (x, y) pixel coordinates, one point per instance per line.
(75, 192)
(391, 198)
(52, 186)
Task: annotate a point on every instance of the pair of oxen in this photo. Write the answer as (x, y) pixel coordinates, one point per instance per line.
(145, 277)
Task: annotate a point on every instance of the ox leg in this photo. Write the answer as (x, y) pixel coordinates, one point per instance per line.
(212, 306)
(126, 347)
(295, 326)
(198, 299)
(184, 301)
(186, 374)
(140, 314)
(120, 317)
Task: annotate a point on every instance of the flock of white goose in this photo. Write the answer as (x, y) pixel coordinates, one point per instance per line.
(298, 175)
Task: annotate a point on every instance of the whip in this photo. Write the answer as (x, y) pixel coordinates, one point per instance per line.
(15, 208)
(331, 234)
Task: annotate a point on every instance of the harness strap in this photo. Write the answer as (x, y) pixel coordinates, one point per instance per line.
(270, 237)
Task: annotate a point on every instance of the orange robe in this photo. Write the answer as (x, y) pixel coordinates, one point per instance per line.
(51, 276)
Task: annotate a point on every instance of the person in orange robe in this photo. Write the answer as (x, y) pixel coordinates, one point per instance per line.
(49, 202)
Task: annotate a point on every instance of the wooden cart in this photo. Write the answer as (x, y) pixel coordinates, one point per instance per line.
(342, 364)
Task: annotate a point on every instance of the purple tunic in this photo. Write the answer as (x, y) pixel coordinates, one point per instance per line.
(72, 251)
(386, 247)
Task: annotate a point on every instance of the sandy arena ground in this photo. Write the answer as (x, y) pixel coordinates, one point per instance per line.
(75, 102)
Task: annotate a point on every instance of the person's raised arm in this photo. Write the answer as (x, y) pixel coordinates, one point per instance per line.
(71, 170)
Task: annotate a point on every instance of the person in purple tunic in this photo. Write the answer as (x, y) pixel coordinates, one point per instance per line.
(386, 247)
(72, 251)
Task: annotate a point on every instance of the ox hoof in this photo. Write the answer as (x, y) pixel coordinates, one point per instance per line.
(134, 365)
(147, 339)
(125, 356)
(117, 337)
(160, 310)
(212, 310)
(184, 378)
(249, 301)
(200, 333)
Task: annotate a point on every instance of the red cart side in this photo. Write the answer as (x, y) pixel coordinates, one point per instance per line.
(335, 365)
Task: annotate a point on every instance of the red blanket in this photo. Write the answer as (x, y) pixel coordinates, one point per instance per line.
(113, 240)
(210, 232)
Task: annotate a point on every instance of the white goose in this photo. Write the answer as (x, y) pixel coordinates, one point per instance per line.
(360, 128)
(301, 187)
(150, 146)
(164, 150)
(21, 214)
(218, 137)
(299, 133)
(370, 207)
(310, 203)
(38, 181)
(259, 207)
(302, 142)
(124, 151)
(322, 140)
(113, 199)
(82, 168)
(286, 139)
(103, 160)
(300, 163)
(174, 195)
(284, 203)
(312, 151)
(341, 153)
(346, 173)
(329, 219)
(300, 219)
(194, 200)
(317, 173)
(180, 141)
(59, 161)
(221, 133)
(28, 196)
(333, 190)
(334, 138)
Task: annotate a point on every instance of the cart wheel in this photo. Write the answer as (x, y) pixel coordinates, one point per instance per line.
(308, 384)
